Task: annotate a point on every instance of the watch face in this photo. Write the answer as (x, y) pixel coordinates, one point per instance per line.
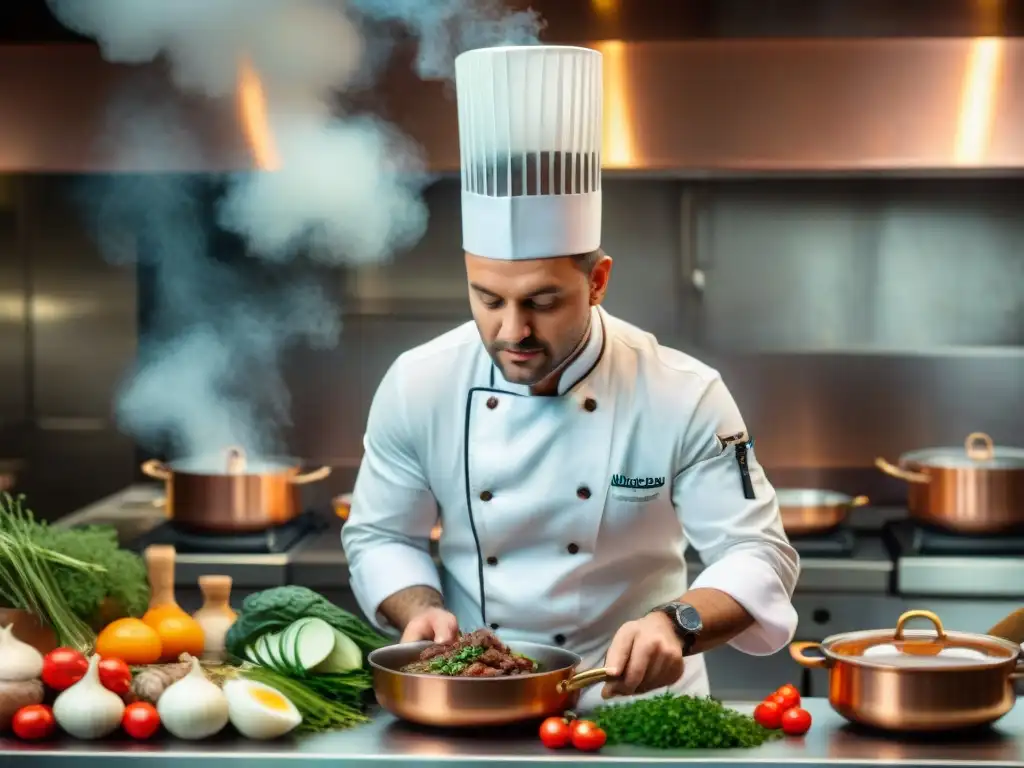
(689, 619)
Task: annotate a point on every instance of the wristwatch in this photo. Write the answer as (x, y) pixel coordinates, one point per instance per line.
(686, 621)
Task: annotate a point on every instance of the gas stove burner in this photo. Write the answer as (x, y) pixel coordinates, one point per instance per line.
(914, 539)
(835, 543)
(272, 541)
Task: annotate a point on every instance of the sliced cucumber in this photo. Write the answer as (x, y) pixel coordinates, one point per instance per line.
(288, 646)
(262, 654)
(344, 657)
(314, 642)
(273, 645)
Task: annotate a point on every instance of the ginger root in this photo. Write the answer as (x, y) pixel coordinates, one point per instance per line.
(150, 684)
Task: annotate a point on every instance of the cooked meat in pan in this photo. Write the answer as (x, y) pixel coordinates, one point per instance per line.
(476, 654)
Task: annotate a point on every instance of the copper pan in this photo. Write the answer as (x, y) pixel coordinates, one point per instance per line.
(232, 493)
(807, 511)
(977, 488)
(479, 701)
(917, 680)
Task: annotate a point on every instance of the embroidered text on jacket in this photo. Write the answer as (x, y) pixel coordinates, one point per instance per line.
(624, 481)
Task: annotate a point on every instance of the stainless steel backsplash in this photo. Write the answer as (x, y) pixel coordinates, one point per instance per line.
(851, 319)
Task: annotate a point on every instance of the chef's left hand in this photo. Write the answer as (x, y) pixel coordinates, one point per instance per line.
(644, 655)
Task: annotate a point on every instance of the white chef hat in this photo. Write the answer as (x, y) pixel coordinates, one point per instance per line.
(530, 132)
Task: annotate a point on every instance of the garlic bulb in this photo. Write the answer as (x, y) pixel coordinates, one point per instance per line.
(88, 710)
(193, 708)
(18, 661)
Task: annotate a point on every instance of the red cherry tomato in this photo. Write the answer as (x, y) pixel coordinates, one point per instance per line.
(140, 720)
(789, 695)
(796, 722)
(782, 702)
(768, 715)
(115, 676)
(587, 737)
(555, 733)
(33, 722)
(63, 667)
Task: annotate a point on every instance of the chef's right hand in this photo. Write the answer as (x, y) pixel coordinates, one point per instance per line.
(435, 624)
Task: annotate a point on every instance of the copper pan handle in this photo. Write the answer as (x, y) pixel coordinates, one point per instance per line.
(584, 680)
(901, 474)
(859, 501)
(797, 651)
(156, 470)
(311, 477)
(979, 447)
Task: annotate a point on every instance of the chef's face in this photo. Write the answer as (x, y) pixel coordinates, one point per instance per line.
(533, 314)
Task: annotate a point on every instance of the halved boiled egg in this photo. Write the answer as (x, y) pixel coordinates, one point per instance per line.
(258, 711)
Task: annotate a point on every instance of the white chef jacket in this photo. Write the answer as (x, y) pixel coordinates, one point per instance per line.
(565, 517)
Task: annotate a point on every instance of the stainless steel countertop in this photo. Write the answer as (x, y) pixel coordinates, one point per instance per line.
(319, 562)
(830, 741)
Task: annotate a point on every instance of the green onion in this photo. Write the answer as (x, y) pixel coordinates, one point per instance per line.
(27, 580)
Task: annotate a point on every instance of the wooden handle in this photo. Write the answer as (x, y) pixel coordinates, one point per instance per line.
(216, 589)
(160, 564)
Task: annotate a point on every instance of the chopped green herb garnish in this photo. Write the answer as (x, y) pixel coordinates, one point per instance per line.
(680, 722)
(454, 665)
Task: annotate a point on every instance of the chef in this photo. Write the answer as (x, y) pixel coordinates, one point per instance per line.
(569, 457)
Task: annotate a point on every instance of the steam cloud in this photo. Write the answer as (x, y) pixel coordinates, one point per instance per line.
(347, 190)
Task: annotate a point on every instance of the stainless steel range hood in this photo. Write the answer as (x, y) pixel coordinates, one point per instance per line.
(679, 108)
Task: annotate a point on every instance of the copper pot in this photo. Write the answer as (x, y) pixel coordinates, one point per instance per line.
(479, 701)
(807, 511)
(975, 489)
(917, 679)
(231, 493)
(30, 629)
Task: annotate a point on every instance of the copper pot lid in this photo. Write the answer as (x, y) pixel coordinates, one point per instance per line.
(977, 452)
(934, 649)
(815, 497)
(233, 461)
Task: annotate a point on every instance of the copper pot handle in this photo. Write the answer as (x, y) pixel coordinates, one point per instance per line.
(796, 650)
(1018, 672)
(901, 474)
(940, 633)
(859, 501)
(311, 477)
(979, 447)
(157, 470)
(584, 680)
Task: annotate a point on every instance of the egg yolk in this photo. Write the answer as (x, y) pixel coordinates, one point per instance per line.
(269, 699)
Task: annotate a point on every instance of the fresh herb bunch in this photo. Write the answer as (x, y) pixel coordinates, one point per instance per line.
(454, 665)
(123, 581)
(28, 575)
(668, 721)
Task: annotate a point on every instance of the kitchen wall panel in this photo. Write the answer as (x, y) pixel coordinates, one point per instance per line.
(894, 266)
(82, 329)
(84, 312)
(13, 306)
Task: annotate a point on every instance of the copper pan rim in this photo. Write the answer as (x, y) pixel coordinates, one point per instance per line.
(418, 647)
